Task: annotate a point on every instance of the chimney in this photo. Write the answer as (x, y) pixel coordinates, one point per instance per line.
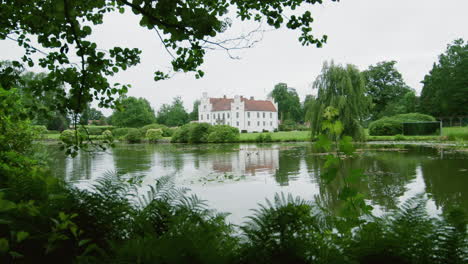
(205, 95)
(224, 96)
(251, 98)
(242, 97)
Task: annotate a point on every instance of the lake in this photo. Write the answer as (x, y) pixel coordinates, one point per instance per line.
(234, 178)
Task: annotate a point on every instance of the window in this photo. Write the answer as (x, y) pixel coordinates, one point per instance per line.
(258, 114)
(271, 123)
(201, 117)
(248, 114)
(263, 123)
(248, 123)
(258, 123)
(237, 114)
(237, 108)
(237, 123)
(223, 116)
(271, 115)
(204, 107)
(263, 114)
(219, 115)
(207, 116)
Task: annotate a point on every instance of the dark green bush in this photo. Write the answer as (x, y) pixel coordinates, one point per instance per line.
(386, 126)
(223, 133)
(198, 133)
(134, 135)
(181, 134)
(389, 126)
(414, 117)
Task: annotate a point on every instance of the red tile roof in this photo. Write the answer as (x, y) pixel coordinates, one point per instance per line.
(259, 105)
(224, 104)
(221, 104)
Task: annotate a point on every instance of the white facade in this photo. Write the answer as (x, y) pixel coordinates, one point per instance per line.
(245, 114)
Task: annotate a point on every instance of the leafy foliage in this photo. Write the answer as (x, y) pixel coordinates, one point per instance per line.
(133, 135)
(343, 89)
(174, 114)
(223, 134)
(136, 112)
(289, 106)
(204, 132)
(393, 125)
(386, 87)
(445, 90)
(153, 135)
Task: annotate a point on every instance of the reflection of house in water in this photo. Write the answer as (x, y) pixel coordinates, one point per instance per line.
(248, 160)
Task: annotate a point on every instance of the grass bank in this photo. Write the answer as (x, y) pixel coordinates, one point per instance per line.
(282, 136)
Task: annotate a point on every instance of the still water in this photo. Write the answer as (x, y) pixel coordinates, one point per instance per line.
(234, 178)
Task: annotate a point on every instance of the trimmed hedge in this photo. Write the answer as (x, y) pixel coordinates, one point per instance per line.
(223, 133)
(166, 131)
(389, 126)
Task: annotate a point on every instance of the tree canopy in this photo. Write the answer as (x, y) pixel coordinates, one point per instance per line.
(174, 114)
(194, 113)
(343, 89)
(57, 36)
(445, 90)
(136, 112)
(289, 105)
(385, 84)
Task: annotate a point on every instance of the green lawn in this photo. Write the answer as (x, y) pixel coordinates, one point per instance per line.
(282, 136)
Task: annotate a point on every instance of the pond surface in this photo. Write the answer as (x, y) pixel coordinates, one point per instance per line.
(234, 178)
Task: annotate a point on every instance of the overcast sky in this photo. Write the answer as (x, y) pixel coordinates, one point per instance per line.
(360, 32)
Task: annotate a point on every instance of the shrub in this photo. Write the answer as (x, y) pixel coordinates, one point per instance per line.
(287, 125)
(68, 136)
(120, 132)
(385, 127)
(153, 135)
(414, 117)
(264, 137)
(389, 126)
(198, 133)
(181, 135)
(166, 131)
(134, 135)
(399, 137)
(107, 135)
(223, 133)
(39, 130)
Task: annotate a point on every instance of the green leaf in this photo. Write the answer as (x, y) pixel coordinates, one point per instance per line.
(6, 205)
(4, 245)
(21, 235)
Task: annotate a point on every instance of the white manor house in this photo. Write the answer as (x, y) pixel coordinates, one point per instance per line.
(245, 114)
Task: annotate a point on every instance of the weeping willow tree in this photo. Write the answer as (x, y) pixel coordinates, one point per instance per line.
(344, 89)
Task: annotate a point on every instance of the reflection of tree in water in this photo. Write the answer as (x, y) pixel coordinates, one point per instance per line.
(289, 165)
(447, 181)
(387, 174)
(133, 158)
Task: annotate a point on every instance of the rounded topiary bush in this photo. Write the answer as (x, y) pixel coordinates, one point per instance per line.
(153, 135)
(386, 126)
(198, 133)
(134, 135)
